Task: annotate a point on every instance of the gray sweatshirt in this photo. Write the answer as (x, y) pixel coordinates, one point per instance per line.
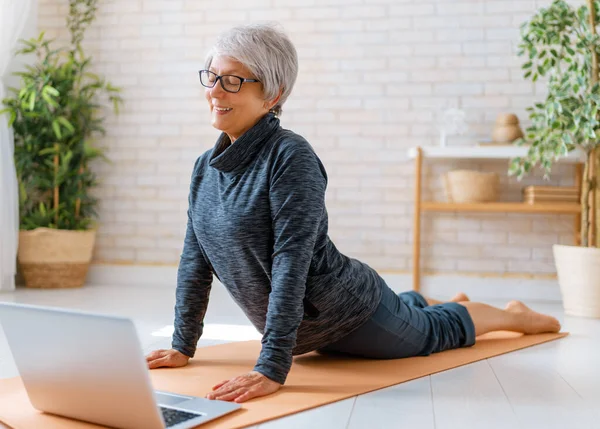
(257, 221)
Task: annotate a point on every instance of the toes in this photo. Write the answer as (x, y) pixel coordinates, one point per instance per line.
(515, 306)
(460, 297)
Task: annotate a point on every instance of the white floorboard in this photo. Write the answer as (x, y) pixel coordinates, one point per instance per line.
(554, 385)
(470, 397)
(330, 416)
(404, 406)
(538, 394)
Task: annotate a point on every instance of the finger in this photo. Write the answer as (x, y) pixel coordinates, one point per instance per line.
(157, 363)
(154, 363)
(216, 386)
(246, 396)
(231, 386)
(232, 395)
(155, 354)
(223, 390)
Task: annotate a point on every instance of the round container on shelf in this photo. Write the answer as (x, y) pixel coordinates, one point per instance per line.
(467, 186)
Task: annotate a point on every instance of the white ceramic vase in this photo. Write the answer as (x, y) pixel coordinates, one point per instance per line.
(578, 270)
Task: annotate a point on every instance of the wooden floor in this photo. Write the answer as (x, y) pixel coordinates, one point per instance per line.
(553, 385)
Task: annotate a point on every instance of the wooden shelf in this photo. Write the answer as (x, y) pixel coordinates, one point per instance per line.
(497, 152)
(498, 207)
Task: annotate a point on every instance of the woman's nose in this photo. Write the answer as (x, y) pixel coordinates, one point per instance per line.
(217, 89)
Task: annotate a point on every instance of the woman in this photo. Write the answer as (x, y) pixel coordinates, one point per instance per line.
(257, 220)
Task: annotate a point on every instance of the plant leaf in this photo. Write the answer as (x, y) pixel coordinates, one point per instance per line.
(65, 123)
(31, 104)
(56, 128)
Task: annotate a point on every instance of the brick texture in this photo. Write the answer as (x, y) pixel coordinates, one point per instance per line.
(373, 77)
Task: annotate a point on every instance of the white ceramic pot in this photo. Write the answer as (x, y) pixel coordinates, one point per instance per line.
(578, 270)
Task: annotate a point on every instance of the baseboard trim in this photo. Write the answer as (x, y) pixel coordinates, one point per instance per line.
(440, 286)
(138, 275)
(445, 286)
(7, 284)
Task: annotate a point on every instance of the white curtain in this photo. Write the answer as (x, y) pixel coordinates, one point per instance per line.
(13, 16)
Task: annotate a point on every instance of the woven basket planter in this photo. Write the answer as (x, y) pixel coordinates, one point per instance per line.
(51, 258)
(466, 186)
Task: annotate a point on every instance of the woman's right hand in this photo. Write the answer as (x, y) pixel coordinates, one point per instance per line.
(166, 358)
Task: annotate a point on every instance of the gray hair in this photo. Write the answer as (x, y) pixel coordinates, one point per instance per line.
(267, 52)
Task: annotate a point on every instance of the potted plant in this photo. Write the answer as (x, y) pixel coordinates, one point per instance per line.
(55, 115)
(561, 44)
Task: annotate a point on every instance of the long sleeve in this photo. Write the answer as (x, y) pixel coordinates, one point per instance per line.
(297, 199)
(194, 281)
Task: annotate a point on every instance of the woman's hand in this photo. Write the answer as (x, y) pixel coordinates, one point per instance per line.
(166, 358)
(244, 387)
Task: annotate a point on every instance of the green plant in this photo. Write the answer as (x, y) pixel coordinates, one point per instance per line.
(562, 45)
(56, 116)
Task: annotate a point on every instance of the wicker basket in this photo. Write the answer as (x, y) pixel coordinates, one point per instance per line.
(51, 258)
(466, 186)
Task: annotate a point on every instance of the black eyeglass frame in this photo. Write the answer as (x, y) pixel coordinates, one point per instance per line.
(219, 78)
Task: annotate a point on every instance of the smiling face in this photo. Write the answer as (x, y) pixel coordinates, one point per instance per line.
(235, 113)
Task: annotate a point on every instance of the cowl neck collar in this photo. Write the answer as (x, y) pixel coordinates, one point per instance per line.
(232, 158)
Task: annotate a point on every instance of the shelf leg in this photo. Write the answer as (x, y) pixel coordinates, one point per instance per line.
(578, 181)
(417, 222)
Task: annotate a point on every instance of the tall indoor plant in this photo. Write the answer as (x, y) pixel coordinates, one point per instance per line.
(55, 115)
(562, 45)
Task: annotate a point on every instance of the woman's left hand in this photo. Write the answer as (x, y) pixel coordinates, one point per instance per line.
(244, 387)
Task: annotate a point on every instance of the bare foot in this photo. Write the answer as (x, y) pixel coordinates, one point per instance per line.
(533, 322)
(460, 297)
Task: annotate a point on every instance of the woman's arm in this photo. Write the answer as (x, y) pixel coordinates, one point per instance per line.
(194, 281)
(297, 198)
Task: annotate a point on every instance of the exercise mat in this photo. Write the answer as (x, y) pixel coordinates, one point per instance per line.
(314, 380)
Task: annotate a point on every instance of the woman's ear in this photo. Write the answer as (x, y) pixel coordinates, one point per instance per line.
(274, 102)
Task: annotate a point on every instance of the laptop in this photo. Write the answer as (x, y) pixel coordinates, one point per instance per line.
(91, 367)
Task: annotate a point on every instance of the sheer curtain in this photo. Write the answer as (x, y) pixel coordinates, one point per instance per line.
(13, 16)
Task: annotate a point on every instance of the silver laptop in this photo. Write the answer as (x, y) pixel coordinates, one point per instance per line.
(91, 367)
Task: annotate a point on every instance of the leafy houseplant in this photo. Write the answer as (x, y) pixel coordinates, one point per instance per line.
(561, 44)
(55, 115)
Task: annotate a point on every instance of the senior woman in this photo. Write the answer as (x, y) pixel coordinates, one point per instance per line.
(257, 220)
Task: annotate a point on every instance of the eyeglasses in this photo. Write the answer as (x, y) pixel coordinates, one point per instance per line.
(229, 82)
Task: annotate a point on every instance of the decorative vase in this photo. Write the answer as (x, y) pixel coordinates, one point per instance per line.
(506, 128)
(578, 271)
(54, 258)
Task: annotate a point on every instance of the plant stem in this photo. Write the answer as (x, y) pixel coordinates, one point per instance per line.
(585, 203)
(596, 225)
(56, 186)
(590, 196)
(78, 201)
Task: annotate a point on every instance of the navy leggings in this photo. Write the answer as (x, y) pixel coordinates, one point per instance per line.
(404, 325)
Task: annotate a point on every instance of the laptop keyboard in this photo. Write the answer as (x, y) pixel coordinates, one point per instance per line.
(173, 417)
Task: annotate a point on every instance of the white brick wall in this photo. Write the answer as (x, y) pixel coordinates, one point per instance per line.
(373, 74)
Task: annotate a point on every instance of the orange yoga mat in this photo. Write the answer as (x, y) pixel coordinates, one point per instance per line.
(314, 380)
